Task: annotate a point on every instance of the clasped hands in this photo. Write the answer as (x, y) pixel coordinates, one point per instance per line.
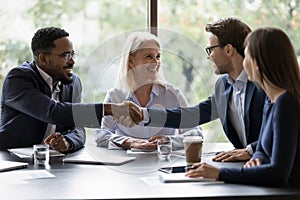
(126, 113)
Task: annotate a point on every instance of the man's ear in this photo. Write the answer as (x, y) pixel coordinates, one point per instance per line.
(42, 59)
(229, 49)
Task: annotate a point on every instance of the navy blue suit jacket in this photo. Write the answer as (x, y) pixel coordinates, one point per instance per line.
(216, 106)
(27, 108)
(277, 148)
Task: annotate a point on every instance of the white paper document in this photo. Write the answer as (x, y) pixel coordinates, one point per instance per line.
(22, 177)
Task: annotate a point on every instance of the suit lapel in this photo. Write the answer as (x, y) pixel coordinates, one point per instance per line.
(46, 89)
(248, 98)
(227, 92)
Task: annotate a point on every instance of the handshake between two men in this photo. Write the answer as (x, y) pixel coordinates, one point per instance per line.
(127, 113)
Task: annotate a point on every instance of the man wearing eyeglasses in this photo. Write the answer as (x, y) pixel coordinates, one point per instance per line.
(41, 99)
(237, 102)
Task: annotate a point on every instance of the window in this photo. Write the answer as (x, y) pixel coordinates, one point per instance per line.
(99, 28)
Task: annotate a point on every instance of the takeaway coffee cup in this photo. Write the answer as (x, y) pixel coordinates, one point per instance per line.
(193, 148)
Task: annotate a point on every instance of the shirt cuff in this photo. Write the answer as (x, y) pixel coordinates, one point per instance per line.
(146, 115)
(249, 149)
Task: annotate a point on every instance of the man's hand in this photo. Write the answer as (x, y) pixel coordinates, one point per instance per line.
(127, 113)
(57, 142)
(233, 155)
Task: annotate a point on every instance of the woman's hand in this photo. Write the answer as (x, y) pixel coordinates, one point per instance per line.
(203, 170)
(252, 163)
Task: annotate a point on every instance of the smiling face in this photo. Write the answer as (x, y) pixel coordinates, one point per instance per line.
(220, 60)
(58, 63)
(144, 64)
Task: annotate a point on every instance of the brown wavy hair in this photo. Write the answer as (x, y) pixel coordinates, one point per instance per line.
(230, 31)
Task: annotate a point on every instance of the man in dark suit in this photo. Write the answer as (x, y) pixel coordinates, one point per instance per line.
(237, 102)
(40, 99)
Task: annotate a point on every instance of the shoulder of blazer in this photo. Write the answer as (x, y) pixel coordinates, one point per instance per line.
(252, 87)
(222, 85)
(30, 71)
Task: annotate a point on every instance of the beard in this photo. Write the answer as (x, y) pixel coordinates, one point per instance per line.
(67, 78)
(67, 81)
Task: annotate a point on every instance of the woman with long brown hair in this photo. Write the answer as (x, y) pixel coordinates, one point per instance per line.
(270, 61)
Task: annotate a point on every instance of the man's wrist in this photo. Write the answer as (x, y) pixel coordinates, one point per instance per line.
(106, 109)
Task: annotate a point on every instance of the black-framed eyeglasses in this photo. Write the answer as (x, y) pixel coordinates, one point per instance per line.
(67, 55)
(208, 49)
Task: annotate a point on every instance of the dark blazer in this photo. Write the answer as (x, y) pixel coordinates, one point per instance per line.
(216, 106)
(277, 148)
(27, 108)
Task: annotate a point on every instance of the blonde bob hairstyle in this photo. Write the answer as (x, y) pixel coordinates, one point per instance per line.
(133, 43)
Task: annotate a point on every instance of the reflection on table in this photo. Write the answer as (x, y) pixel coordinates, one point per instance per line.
(136, 179)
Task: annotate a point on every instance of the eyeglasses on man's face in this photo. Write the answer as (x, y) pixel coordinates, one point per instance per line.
(208, 49)
(66, 56)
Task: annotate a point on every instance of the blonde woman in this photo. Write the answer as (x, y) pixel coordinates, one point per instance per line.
(140, 80)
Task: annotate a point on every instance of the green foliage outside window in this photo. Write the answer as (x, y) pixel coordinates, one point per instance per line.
(98, 29)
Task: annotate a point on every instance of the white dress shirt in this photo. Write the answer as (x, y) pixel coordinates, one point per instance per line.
(55, 96)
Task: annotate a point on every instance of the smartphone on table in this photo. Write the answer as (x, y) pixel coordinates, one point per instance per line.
(176, 169)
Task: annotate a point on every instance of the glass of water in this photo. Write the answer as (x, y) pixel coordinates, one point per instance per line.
(164, 148)
(41, 154)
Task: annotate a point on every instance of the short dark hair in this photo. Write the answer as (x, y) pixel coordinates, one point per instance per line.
(43, 39)
(230, 31)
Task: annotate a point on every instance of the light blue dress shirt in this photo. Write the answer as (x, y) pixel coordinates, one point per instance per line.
(162, 96)
(236, 105)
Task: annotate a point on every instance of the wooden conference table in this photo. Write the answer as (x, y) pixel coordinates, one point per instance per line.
(137, 179)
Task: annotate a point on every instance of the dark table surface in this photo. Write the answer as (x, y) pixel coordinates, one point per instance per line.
(137, 179)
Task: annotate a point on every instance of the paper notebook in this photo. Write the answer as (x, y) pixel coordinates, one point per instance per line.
(180, 177)
(11, 165)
